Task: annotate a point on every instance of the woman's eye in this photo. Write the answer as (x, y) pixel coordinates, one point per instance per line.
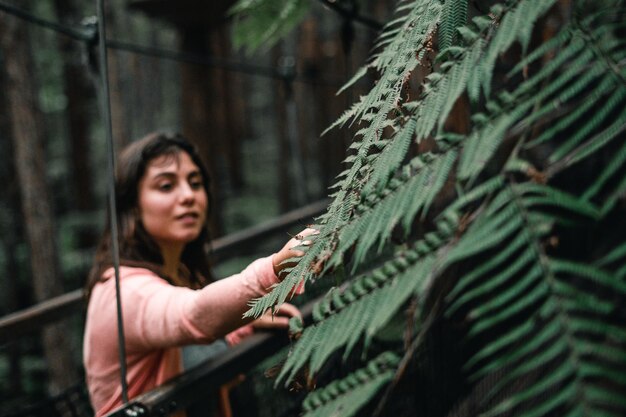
(166, 186)
(196, 185)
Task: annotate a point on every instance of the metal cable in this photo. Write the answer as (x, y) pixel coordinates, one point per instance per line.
(106, 111)
(284, 73)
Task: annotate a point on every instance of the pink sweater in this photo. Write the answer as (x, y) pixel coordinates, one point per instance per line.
(158, 319)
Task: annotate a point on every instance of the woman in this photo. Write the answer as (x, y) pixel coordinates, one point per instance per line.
(162, 205)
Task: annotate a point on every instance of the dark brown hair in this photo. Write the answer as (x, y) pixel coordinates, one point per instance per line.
(136, 247)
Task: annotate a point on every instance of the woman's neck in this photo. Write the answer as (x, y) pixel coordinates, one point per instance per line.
(171, 264)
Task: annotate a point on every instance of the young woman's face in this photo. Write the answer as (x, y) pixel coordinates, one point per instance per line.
(172, 201)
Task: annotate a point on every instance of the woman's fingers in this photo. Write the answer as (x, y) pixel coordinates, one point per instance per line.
(271, 323)
(288, 251)
(287, 310)
(306, 232)
(278, 320)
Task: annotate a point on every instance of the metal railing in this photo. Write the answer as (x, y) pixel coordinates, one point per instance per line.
(186, 389)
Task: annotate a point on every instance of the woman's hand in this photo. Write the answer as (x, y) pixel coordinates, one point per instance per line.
(288, 252)
(280, 318)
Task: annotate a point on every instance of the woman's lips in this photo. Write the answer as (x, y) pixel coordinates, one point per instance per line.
(188, 217)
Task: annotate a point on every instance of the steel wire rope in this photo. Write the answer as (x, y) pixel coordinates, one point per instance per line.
(90, 36)
(106, 111)
(284, 73)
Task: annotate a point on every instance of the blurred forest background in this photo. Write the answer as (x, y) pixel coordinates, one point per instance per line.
(257, 119)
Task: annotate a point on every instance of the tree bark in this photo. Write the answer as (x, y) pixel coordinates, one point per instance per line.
(9, 205)
(285, 199)
(197, 114)
(80, 96)
(121, 111)
(28, 135)
(228, 114)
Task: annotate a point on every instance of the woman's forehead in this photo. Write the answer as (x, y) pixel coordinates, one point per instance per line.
(171, 162)
(164, 160)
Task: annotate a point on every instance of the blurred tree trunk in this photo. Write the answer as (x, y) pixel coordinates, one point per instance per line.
(226, 113)
(328, 52)
(9, 207)
(148, 81)
(196, 115)
(285, 200)
(79, 92)
(28, 135)
(121, 112)
(119, 121)
(10, 283)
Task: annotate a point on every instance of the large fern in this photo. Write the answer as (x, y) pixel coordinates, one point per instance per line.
(508, 232)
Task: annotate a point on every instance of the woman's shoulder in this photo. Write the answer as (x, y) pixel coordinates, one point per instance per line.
(134, 280)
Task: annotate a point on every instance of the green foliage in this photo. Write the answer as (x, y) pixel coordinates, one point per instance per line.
(259, 24)
(485, 199)
(346, 396)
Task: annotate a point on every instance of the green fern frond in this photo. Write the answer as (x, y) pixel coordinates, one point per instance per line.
(580, 336)
(443, 89)
(346, 116)
(581, 73)
(262, 23)
(363, 307)
(477, 193)
(520, 262)
(515, 24)
(595, 108)
(502, 221)
(597, 277)
(545, 196)
(453, 16)
(600, 94)
(402, 201)
(390, 158)
(485, 139)
(390, 32)
(531, 279)
(489, 229)
(609, 52)
(397, 59)
(611, 171)
(617, 255)
(370, 301)
(346, 396)
(614, 130)
(471, 66)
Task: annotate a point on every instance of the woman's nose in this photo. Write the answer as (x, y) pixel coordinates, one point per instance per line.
(187, 194)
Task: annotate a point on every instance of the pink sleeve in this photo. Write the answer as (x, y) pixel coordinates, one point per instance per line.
(157, 314)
